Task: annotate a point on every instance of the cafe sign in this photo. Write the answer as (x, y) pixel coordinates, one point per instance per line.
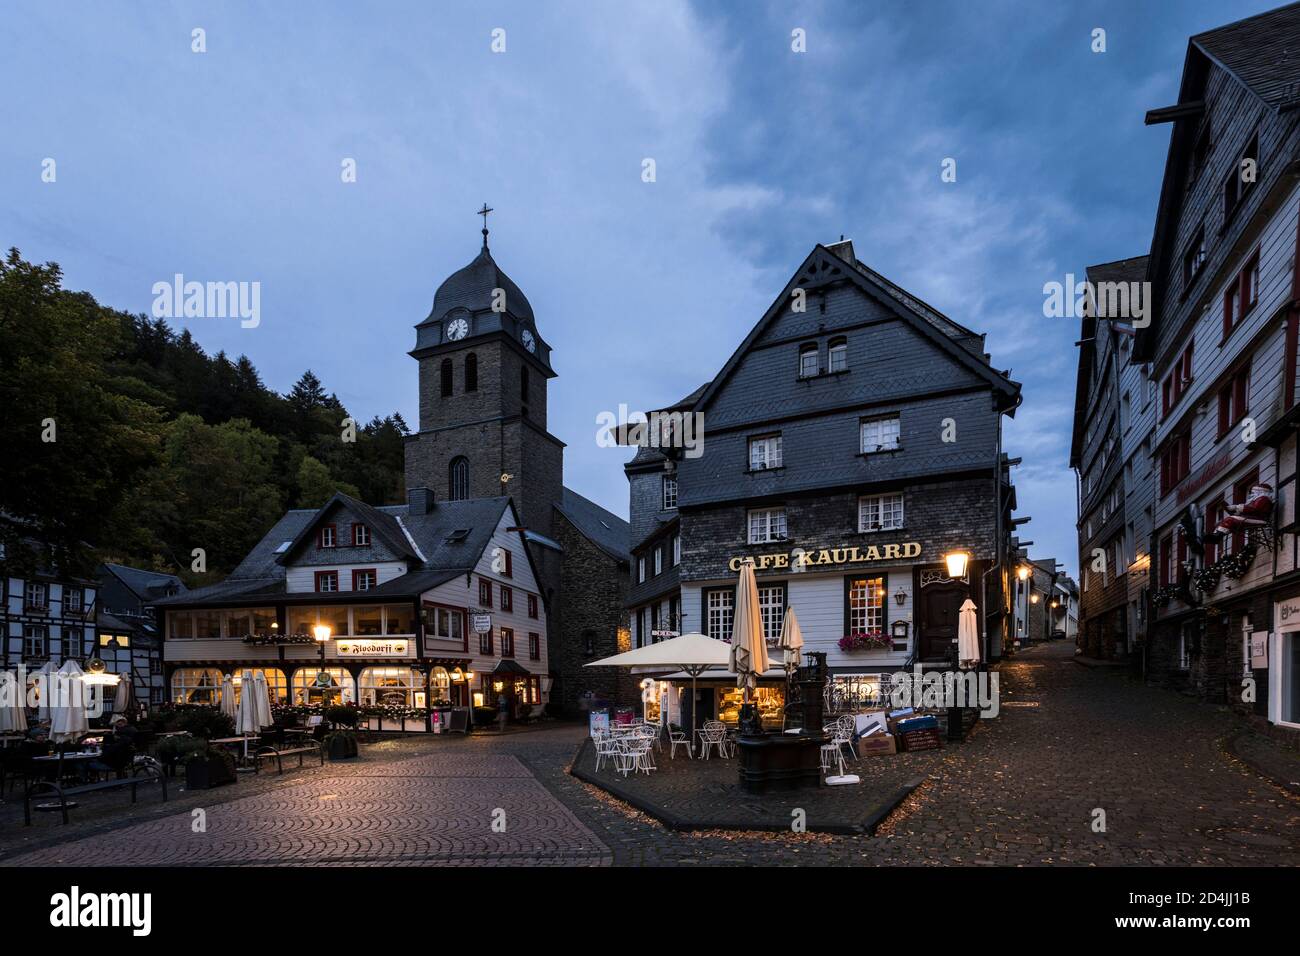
(800, 558)
(377, 648)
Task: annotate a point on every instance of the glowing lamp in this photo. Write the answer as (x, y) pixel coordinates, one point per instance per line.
(956, 562)
(322, 632)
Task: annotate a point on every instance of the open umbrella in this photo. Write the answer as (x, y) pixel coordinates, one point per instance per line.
(748, 645)
(968, 641)
(13, 713)
(67, 693)
(690, 653)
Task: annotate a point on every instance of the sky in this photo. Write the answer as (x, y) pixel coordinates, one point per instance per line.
(226, 165)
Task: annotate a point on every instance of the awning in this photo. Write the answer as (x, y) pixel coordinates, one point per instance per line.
(511, 668)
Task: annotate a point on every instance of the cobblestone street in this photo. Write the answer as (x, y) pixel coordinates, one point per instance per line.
(1022, 790)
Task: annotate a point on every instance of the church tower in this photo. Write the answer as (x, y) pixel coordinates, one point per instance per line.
(484, 370)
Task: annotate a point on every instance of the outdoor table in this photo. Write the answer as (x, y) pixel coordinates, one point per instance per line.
(237, 740)
(172, 733)
(81, 761)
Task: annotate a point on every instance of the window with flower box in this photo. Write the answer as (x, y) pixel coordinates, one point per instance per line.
(865, 608)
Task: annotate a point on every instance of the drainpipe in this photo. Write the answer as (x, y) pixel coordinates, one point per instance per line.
(997, 540)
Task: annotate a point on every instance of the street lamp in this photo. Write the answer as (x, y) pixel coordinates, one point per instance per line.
(956, 561)
(1022, 572)
(322, 634)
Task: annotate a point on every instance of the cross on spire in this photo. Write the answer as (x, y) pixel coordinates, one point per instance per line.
(484, 213)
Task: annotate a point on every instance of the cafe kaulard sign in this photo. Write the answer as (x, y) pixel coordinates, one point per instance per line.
(799, 559)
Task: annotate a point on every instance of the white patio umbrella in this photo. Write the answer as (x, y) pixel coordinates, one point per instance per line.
(228, 705)
(691, 653)
(68, 703)
(246, 719)
(263, 700)
(748, 645)
(791, 639)
(968, 640)
(124, 698)
(13, 712)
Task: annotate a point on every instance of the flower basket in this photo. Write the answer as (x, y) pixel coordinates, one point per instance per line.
(277, 640)
(874, 641)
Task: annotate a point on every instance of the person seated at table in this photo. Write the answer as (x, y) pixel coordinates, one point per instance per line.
(124, 731)
(116, 752)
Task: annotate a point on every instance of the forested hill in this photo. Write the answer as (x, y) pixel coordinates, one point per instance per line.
(122, 440)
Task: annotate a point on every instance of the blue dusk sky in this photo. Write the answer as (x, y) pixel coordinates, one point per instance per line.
(225, 165)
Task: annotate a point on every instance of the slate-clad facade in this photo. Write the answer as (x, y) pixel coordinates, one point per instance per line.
(850, 443)
(1223, 351)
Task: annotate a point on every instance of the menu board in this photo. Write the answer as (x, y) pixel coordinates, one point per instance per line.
(598, 721)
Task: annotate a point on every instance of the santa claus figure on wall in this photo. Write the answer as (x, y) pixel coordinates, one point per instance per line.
(1252, 513)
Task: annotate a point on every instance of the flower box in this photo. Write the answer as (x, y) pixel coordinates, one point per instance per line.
(874, 641)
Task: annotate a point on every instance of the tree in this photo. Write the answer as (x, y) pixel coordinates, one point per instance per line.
(315, 484)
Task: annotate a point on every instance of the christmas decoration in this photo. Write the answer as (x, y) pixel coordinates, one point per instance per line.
(1253, 513)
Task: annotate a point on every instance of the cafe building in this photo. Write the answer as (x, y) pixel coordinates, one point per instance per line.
(852, 444)
(398, 610)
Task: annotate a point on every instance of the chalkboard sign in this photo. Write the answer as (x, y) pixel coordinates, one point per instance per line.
(458, 720)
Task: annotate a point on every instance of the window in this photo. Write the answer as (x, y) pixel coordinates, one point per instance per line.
(808, 360)
(771, 607)
(485, 592)
(1241, 178)
(509, 571)
(1216, 549)
(155, 665)
(444, 374)
(1200, 152)
(1175, 463)
(880, 512)
(327, 581)
(314, 685)
(642, 629)
(329, 536)
(640, 569)
(73, 600)
(471, 372)
(399, 619)
(670, 492)
(532, 606)
(1241, 294)
(196, 685)
(507, 642)
(1193, 259)
(1177, 381)
(677, 550)
(365, 579)
(444, 623)
(837, 357)
(765, 453)
(368, 621)
(36, 596)
(507, 599)
(865, 605)
(458, 479)
(534, 646)
(719, 612)
(1183, 652)
(389, 686)
(277, 684)
(1166, 560)
(659, 561)
(879, 434)
(36, 640)
(1233, 397)
(360, 536)
(485, 643)
(439, 686)
(767, 524)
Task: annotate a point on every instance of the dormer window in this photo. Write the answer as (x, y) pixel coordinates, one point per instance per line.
(808, 360)
(360, 536)
(328, 536)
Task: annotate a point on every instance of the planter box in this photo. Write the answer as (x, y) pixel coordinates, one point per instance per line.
(415, 725)
(207, 773)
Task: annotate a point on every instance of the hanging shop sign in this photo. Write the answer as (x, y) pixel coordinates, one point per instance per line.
(801, 558)
(1259, 650)
(375, 648)
(1286, 614)
(482, 623)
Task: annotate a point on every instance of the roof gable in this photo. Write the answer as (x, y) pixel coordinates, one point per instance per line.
(381, 524)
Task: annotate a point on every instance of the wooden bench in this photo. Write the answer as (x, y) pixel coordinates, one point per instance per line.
(300, 748)
(141, 775)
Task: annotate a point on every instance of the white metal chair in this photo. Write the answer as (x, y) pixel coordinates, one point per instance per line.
(715, 735)
(607, 748)
(679, 738)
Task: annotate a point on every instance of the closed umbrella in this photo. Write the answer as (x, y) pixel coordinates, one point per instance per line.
(263, 701)
(968, 641)
(13, 713)
(68, 720)
(228, 706)
(246, 718)
(124, 698)
(791, 639)
(43, 677)
(748, 645)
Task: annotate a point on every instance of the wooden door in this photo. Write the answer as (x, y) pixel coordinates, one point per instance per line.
(940, 606)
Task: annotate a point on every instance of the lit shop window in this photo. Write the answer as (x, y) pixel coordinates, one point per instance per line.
(196, 685)
(277, 684)
(390, 686)
(334, 685)
(440, 686)
(866, 605)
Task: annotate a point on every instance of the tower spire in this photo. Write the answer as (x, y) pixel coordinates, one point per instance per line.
(484, 213)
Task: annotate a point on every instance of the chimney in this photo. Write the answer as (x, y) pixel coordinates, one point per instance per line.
(844, 249)
(419, 501)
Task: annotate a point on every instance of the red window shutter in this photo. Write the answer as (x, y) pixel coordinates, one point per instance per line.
(1184, 456)
(509, 564)
(1166, 395)
(1240, 385)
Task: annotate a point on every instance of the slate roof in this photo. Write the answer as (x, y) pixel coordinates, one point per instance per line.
(1262, 51)
(261, 576)
(471, 288)
(384, 525)
(146, 585)
(602, 528)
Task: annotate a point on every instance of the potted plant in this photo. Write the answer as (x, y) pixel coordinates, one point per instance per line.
(342, 715)
(341, 745)
(209, 768)
(174, 750)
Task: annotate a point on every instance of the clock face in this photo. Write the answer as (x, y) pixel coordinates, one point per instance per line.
(457, 329)
(530, 343)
